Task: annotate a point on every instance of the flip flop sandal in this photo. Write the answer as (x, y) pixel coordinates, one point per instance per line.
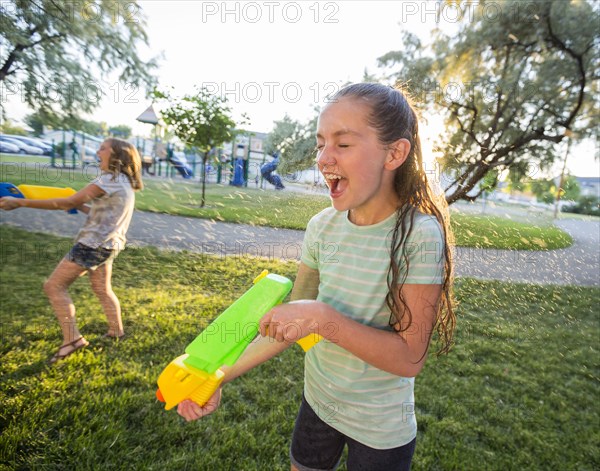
(61, 356)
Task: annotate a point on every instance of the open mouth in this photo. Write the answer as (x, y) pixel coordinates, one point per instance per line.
(336, 183)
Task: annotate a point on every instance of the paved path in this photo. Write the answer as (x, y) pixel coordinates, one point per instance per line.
(576, 265)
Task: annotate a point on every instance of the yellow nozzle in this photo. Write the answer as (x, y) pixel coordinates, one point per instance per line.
(179, 381)
(261, 276)
(309, 341)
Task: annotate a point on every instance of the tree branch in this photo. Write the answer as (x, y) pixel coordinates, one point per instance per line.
(461, 193)
(14, 54)
(554, 39)
(471, 131)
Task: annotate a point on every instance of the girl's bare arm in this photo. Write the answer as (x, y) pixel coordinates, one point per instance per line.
(264, 348)
(259, 351)
(400, 353)
(77, 200)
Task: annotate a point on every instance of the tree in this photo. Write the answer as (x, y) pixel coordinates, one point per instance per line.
(39, 120)
(515, 180)
(122, 131)
(202, 121)
(7, 127)
(295, 142)
(589, 204)
(95, 128)
(544, 190)
(571, 189)
(52, 53)
(510, 87)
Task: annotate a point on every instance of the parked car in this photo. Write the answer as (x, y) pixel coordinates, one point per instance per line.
(23, 148)
(46, 149)
(9, 148)
(46, 141)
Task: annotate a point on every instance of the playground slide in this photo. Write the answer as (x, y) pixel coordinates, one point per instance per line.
(181, 165)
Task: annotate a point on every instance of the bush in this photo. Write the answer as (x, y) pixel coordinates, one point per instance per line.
(589, 205)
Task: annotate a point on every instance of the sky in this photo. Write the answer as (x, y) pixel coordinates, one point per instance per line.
(275, 57)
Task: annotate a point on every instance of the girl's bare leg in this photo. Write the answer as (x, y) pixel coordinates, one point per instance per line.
(56, 288)
(102, 287)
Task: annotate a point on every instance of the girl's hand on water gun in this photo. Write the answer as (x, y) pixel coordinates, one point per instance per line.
(190, 411)
(294, 321)
(9, 203)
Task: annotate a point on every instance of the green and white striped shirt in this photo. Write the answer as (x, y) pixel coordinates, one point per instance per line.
(365, 403)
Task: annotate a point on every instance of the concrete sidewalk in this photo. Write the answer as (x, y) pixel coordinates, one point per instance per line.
(576, 265)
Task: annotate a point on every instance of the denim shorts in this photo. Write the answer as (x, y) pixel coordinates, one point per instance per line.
(318, 446)
(89, 257)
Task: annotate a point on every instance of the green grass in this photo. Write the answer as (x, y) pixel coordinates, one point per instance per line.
(285, 209)
(223, 202)
(501, 233)
(20, 158)
(522, 212)
(518, 391)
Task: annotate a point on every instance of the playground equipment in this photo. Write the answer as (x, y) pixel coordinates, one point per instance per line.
(178, 160)
(267, 170)
(196, 375)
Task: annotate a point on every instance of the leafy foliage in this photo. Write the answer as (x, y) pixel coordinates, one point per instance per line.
(95, 128)
(295, 141)
(7, 127)
(588, 204)
(202, 121)
(41, 119)
(570, 188)
(545, 189)
(53, 52)
(121, 130)
(510, 87)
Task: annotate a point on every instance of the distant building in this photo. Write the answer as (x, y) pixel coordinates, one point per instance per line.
(589, 186)
(256, 141)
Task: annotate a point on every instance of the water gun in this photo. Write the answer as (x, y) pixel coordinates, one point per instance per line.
(36, 192)
(196, 375)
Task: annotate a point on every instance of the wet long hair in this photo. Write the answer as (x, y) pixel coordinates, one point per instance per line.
(393, 117)
(125, 159)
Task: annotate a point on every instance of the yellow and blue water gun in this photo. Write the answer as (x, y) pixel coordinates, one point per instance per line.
(36, 192)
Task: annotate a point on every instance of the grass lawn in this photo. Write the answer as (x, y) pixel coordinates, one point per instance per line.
(520, 212)
(22, 158)
(285, 209)
(494, 232)
(518, 391)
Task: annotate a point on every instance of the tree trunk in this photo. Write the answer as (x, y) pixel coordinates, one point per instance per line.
(203, 170)
(461, 192)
